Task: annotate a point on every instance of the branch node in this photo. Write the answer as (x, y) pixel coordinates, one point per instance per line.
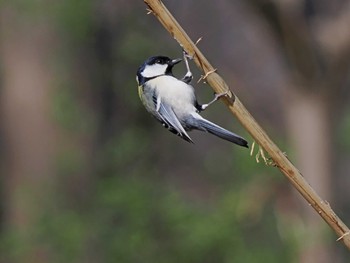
(267, 160)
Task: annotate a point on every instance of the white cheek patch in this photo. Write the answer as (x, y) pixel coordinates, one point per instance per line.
(154, 70)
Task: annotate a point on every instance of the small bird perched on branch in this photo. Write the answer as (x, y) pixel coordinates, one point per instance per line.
(172, 101)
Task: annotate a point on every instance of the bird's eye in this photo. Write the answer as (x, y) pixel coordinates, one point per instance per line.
(158, 61)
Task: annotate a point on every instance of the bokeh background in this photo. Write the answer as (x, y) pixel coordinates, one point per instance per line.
(88, 176)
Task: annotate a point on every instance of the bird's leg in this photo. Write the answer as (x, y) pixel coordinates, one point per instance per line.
(188, 77)
(216, 97)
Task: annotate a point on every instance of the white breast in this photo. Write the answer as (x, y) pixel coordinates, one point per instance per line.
(175, 92)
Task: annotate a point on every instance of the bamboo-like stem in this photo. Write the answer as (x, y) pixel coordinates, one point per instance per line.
(323, 208)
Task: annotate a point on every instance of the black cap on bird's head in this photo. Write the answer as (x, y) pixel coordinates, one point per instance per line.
(154, 67)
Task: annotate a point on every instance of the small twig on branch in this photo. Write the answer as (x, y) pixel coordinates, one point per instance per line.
(149, 11)
(203, 77)
(198, 40)
(236, 107)
(342, 236)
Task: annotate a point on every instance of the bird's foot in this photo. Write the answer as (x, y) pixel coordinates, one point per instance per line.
(188, 76)
(216, 97)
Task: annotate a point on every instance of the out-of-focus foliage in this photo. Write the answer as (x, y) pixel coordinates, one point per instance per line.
(123, 189)
(133, 220)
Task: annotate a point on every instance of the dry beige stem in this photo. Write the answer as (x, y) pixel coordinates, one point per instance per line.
(249, 123)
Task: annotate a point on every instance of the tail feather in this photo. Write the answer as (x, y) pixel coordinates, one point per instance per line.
(207, 126)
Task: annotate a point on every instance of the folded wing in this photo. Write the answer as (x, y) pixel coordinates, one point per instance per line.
(169, 119)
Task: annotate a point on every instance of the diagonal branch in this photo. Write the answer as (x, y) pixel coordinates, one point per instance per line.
(322, 207)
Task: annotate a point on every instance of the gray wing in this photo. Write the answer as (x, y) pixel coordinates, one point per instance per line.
(169, 119)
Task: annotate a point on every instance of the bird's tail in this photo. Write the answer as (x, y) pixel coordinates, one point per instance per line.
(202, 124)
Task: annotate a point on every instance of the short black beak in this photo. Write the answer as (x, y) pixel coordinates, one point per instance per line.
(175, 61)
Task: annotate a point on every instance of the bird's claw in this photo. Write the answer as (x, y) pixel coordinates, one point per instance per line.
(223, 94)
(217, 96)
(188, 77)
(185, 54)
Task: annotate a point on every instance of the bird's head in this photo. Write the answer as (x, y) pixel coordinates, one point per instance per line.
(154, 67)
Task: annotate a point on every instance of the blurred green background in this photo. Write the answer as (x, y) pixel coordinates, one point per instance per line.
(89, 176)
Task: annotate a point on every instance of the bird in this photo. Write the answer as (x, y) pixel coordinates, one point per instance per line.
(173, 102)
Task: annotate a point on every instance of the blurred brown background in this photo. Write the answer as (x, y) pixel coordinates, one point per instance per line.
(89, 176)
